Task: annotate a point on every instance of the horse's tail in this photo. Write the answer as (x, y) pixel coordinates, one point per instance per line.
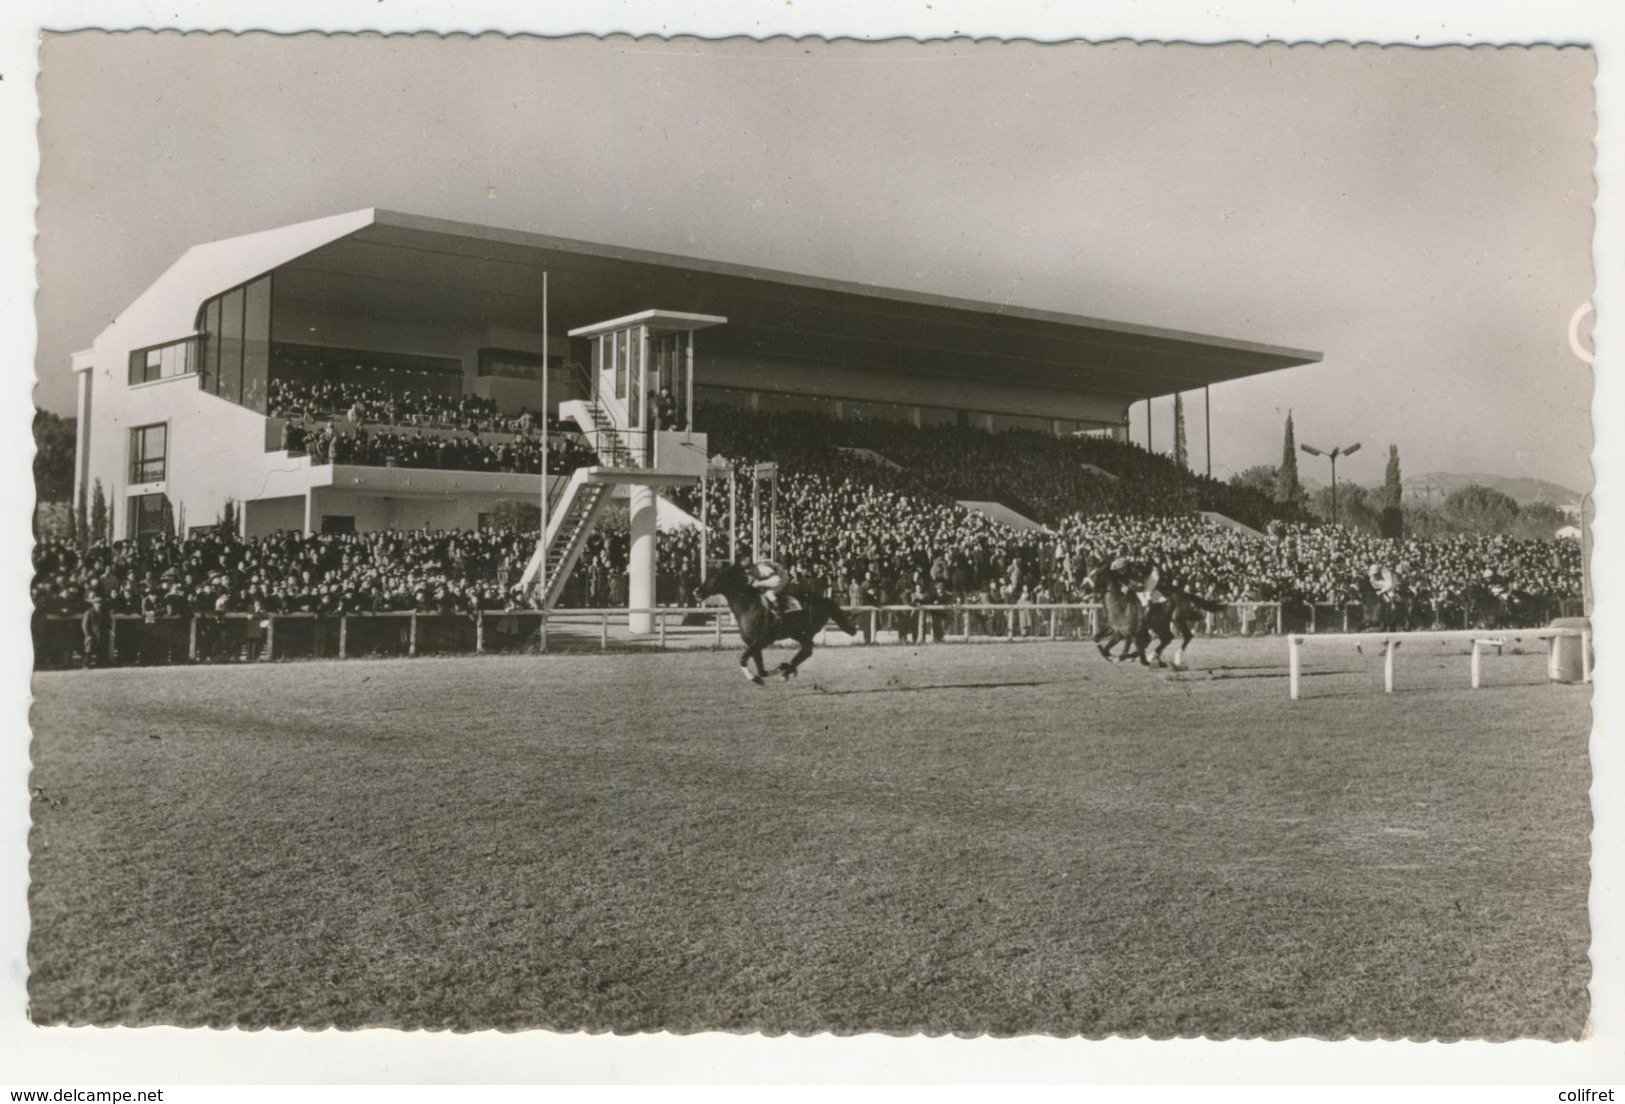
(840, 617)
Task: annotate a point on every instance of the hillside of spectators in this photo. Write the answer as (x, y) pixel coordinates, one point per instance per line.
(1036, 474)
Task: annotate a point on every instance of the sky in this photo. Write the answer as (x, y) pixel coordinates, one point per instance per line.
(1422, 217)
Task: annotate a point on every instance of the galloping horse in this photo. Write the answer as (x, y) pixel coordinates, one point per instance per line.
(1125, 616)
(1129, 621)
(1379, 613)
(1180, 614)
(758, 628)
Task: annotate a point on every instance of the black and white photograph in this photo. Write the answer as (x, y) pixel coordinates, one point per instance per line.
(647, 533)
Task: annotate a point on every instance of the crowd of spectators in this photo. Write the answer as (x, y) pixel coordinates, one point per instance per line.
(865, 533)
(378, 448)
(360, 403)
(329, 573)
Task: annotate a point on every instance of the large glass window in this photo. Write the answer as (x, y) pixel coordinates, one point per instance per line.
(209, 345)
(149, 445)
(256, 344)
(235, 352)
(148, 516)
(231, 346)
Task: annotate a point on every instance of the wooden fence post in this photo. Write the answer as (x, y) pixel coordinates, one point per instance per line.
(479, 632)
(270, 637)
(344, 637)
(191, 639)
(412, 634)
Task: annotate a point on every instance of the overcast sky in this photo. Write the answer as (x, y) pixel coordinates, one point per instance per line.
(1423, 217)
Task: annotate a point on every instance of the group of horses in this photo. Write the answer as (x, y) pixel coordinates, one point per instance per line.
(1130, 622)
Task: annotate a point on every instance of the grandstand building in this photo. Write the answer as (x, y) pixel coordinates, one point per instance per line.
(175, 411)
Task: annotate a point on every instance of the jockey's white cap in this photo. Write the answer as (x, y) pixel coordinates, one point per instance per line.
(1375, 569)
(1119, 564)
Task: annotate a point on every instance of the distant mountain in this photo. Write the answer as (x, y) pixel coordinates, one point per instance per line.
(1521, 489)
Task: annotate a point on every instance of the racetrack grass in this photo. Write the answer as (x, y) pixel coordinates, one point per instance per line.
(955, 839)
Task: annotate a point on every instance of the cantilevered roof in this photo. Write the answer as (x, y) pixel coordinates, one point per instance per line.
(389, 265)
(167, 310)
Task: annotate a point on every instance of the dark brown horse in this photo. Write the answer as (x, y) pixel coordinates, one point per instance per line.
(1126, 620)
(759, 628)
(1130, 621)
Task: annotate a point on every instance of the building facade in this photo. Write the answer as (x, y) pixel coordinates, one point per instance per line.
(177, 397)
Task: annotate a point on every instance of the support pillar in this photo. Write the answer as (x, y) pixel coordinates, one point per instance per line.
(1207, 431)
(640, 569)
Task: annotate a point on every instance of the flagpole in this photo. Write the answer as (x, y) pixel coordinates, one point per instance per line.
(541, 574)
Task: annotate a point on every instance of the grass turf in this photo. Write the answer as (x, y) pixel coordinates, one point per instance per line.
(1002, 839)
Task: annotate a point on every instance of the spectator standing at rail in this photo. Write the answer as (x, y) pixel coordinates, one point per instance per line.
(96, 626)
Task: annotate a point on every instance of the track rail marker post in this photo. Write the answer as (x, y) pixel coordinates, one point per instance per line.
(1294, 664)
(344, 638)
(1388, 666)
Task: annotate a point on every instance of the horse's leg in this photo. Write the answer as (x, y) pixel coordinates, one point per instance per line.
(1165, 637)
(1185, 635)
(1109, 635)
(744, 665)
(788, 670)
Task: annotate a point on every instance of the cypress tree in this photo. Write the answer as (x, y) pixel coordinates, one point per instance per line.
(1288, 491)
(1392, 489)
(101, 523)
(1181, 451)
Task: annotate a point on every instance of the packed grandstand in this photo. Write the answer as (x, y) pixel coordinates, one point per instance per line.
(885, 533)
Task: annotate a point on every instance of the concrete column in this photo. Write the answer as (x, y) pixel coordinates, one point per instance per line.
(640, 582)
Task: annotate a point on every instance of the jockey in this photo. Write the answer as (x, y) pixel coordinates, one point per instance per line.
(771, 579)
(1383, 582)
(1131, 570)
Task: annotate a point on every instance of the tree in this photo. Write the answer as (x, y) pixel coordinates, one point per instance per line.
(1393, 488)
(1393, 496)
(1354, 508)
(54, 446)
(1539, 521)
(228, 518)
(1478, 509)
(101, 521)
(1260, 477)
(1181, 451)
(1288, 491)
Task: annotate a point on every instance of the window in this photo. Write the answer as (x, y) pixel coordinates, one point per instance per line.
(148, 448)
(256, 344)
(515, 364)
(338, 523)
(235, 347)
(161, 362)
(148, 516)
(229, 378)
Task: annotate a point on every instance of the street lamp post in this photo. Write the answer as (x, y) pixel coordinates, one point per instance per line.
(1332, 456)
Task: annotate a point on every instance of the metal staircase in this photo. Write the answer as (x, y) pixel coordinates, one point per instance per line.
(566, 535)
